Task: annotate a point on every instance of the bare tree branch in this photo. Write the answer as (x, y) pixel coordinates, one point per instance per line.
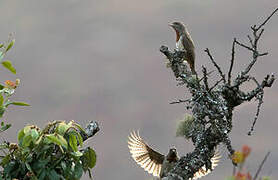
(204, 70)
(215, 64)
(232, 62)
(91, 129)
(267, 19)
(245, 46)
(212, 107)
(261, 166)
(180, 101)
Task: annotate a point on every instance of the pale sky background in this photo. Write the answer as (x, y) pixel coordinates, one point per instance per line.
(99, 60)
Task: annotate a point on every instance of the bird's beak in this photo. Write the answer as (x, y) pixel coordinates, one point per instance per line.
(171, 24)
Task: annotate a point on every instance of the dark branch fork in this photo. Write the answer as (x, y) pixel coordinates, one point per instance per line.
(91, 129)
(212, 107)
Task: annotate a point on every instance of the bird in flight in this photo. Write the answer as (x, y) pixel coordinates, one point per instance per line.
(158, 164)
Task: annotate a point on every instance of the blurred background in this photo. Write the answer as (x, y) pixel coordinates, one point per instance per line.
(99, 60)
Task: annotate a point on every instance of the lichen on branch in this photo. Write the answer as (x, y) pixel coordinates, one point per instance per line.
(212, 106)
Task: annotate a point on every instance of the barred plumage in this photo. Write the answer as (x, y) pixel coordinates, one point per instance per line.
(152, 161)
(214, 162)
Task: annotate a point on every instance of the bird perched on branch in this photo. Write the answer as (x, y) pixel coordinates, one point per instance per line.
(157, 164)
(184, 42)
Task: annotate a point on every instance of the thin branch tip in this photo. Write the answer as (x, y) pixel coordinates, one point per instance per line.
(212, 108)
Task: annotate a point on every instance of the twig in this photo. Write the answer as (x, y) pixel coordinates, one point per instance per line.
(234, 170)
(260, 34)
(215, 64)
(215, 85)
(179, 101)
(267, 19)
(215, 108)
(204, 70)
(261, 165)
(207, 75)
(250, 40)
(263, 54)
(260, 98)
(91, 129)
(254, 44)
(245, 46)
(232, 62)
(267, 82)
(255, 80)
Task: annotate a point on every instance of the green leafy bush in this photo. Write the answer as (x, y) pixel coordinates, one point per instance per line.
(50, 153)
(8, 88)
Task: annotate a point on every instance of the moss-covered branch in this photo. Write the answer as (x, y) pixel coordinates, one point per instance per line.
(212, 107)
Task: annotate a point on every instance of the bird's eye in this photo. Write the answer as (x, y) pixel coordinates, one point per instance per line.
(174, 150)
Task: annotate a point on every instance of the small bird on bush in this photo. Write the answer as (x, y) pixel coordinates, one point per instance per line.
(184, 42)
(158, 164)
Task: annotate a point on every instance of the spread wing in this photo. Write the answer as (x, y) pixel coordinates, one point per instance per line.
(145, 156)
(214, 162)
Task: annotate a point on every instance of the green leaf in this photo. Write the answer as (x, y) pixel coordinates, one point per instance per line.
(40, 163)
(1, 86)
(26, 129)
(1, 99)
(1, 45)
(18, 104)
(10, 45)
(57, 139)
(8, 64)
(5, 127)
(28, 166)
(62, 128)
(69, 169)
(20, 135)
(73, 142)
(53, 138)
(79, 127)
(63, 141)
(2, 110)
(5, 160)
(89, 158)
(1, 55)
(10, 168)
(8, 92)
(92, 158)
(39, 140)
(80, 139)
(63, 165)
(27, 139)
(53, 175)
(78, 154)
(78, 171)
(33, 177)
(34, 133)
(4, 146)
(43, 173)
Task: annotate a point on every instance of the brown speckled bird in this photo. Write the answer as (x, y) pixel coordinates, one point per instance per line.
(184, 42)
(157, 164)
